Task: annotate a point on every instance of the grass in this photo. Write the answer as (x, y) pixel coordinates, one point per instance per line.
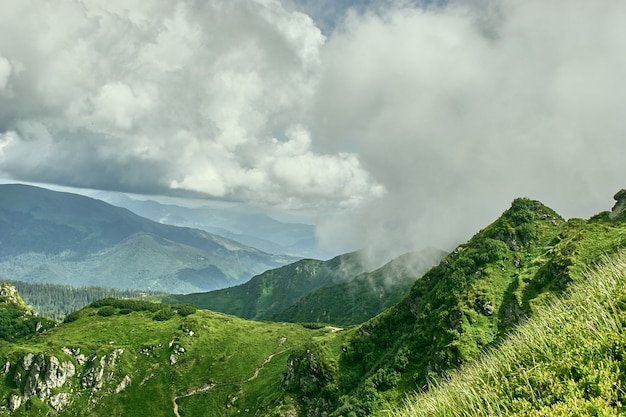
(568, 360)
(243, 359)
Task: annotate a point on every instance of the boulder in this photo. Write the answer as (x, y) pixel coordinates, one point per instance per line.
(15, 401)
(59, 401)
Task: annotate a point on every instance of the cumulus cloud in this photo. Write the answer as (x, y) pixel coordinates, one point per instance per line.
(457, 110)
(169, 97)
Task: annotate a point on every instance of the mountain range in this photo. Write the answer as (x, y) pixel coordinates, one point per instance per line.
(524, 319)
(251, 228)
(54, 237)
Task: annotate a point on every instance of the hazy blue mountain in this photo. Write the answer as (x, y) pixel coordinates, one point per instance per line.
(64, 238)
(254, 229)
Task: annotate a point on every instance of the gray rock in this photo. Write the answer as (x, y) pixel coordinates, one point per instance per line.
(93, 378)
(122, 385)
(27, 361)
(6, 368)
(57, 372)
(17, 378)
(487, 308)
(619, 209)
(59, 401)
(15, 401)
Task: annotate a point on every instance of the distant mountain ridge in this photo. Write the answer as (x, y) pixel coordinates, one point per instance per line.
(254, 229)
(339, 291)
(364, 296)
(56, 237)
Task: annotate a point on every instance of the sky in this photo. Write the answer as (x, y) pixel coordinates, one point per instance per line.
(394, 125)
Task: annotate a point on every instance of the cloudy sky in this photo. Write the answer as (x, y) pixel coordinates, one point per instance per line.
(399, 124)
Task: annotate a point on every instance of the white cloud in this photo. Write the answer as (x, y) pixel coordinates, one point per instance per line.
(170, 96)
(458, 110)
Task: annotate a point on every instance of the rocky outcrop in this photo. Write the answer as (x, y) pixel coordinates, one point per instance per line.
(9, 294)
(59, 401)
(43, 374)
(100, 370)
(93, 378)
(177, 350)
(619, 209)
(122, 385)
(39, 375)
(15, 401)
(52, 380)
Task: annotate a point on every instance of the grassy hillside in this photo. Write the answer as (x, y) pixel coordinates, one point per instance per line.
(64, 238)
(120, 357)
(364, 296)
(271, 292)
(567, 360)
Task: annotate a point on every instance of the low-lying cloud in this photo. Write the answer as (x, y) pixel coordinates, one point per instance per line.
(458, 110)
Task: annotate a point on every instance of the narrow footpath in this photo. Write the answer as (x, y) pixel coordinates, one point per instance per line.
(210, 386)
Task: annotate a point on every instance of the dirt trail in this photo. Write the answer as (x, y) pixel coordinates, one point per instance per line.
(205, 388)
(210, 386)
(265, 362)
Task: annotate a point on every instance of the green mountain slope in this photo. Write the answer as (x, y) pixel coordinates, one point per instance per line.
(64, 238)
(271, 292)
(364, 296)
(468, 303)
(567, 360)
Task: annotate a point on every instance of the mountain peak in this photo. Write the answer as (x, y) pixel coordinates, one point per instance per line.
(619, 209)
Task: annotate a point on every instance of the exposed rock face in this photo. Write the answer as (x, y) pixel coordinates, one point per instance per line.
(100, 370)
(619, 209)
(6, 368)
(50, 379)
(10, 293)
(15, 401)
(122, 385)
(44, 374)
(59, 401)
(93, 376)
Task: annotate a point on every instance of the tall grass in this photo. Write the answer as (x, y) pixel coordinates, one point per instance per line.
(568, 360)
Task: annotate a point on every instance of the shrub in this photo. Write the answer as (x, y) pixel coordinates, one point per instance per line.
(106, 311)
(186, 310)
(73, 316)
(164, 314)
